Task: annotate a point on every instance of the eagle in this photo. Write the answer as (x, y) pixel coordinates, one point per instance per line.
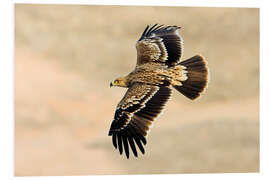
(157, 72)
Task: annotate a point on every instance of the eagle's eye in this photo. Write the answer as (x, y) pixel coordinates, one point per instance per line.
(116, 81)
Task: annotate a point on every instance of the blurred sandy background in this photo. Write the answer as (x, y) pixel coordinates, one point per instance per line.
(65, 58)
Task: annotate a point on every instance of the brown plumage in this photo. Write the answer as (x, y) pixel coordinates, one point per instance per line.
(158, 69)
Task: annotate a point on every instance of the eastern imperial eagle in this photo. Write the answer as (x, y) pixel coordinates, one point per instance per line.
(157, 71)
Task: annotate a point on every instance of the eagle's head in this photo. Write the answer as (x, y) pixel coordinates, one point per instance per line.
(121, 82)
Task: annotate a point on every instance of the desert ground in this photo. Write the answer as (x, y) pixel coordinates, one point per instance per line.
(65, 58)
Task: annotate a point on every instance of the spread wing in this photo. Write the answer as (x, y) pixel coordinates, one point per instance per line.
(135, 114)
(160, 44)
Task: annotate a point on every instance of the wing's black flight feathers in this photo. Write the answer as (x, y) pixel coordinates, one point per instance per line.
(134, 133)
(156, 29)
(169, 37)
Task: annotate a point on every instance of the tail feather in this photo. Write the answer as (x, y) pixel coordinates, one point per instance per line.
(197, 77)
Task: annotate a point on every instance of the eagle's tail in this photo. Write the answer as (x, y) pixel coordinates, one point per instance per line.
(197, 77)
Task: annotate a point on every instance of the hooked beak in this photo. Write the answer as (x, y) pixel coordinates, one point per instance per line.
(111, 84)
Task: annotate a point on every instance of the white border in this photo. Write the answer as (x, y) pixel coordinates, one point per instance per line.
(7, 86)
(6, 90)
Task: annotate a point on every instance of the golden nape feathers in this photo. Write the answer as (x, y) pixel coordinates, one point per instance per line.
(150, 84)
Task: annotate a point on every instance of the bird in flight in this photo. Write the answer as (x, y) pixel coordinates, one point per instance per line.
(157, 72)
